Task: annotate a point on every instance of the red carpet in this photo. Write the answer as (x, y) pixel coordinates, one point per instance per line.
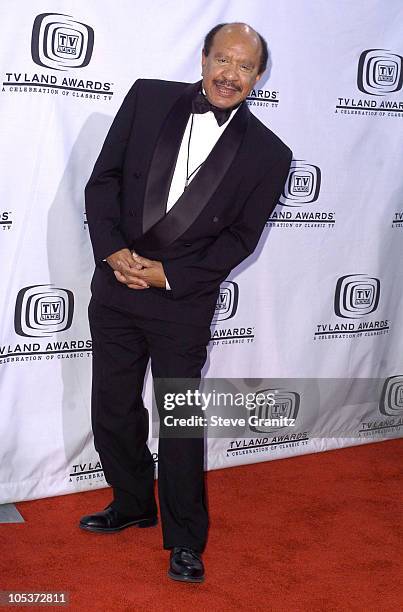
(320, 532)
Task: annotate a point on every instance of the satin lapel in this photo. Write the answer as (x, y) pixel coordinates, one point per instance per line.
(164, 158)
(167, 228)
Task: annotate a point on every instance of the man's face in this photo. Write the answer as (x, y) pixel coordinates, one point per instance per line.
(231, 68)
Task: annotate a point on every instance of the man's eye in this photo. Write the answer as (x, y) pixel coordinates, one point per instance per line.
(221, 60)
(246, 67)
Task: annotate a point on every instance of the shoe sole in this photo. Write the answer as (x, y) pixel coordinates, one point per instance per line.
(142, 524)
(185, 578)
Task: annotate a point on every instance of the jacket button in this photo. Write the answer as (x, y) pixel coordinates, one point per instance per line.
(215, 219)
(137, 174)
(131, 212)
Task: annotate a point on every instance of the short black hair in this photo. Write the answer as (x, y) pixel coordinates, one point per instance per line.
(209, 39)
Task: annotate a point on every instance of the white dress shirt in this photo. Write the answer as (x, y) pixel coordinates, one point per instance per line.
(205, 133)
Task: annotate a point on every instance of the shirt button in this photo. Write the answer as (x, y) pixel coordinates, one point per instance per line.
(131, 212)
(137, 174)
(215, 219)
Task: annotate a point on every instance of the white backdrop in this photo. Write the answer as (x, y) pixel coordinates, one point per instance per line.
(320, 298)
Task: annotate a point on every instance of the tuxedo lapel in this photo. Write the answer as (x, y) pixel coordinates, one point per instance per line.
(164, 158)
(161, 229)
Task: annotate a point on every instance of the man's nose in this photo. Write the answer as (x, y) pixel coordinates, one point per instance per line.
(230, 72)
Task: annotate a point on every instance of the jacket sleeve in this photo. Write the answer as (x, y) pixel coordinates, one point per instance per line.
(102, 192)
(234, 243)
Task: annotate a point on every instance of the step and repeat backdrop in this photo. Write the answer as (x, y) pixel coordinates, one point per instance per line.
(316, 313)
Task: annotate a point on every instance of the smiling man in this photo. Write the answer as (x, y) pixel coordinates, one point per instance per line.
(232, 64)
(178, 198)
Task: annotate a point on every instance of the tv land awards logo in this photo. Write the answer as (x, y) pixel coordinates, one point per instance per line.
(226, 308)
(302, 185)
(301, 191)
(227, 302)
(380, 76)
(389, 419)
(273, 438)
(267, 98)
(356, 297)
(286, 406)
(61, 44)
(379, 72)
(397, 221)
(42, 312)
(91, 472)
(87, 472)
(6, 221)
(391, 403)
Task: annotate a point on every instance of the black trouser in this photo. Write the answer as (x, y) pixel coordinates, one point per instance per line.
(122, 346)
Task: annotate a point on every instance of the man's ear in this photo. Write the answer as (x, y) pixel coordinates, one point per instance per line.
(257, 78)
(204, 58)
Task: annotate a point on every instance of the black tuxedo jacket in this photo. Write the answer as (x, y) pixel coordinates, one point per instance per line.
(213, 226)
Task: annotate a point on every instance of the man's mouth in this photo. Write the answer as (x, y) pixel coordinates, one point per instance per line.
(225, 89)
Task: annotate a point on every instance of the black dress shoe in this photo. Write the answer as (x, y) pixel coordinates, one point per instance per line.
(186, 565)
(111, 520)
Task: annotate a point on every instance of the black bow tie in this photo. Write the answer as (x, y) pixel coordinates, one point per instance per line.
(201, 105)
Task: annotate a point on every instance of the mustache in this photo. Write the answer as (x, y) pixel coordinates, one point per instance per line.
(228, 84)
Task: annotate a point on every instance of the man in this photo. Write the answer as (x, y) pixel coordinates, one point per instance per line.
(178, 197)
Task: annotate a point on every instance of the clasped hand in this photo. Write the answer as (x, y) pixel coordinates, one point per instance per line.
(135, 271)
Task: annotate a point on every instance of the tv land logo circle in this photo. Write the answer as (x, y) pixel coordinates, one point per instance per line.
(356, 296)
(227, 302)
(42, 310)
(59, 42)
(391, 402)
(379, 72)
(286, 406)
(302, 185)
